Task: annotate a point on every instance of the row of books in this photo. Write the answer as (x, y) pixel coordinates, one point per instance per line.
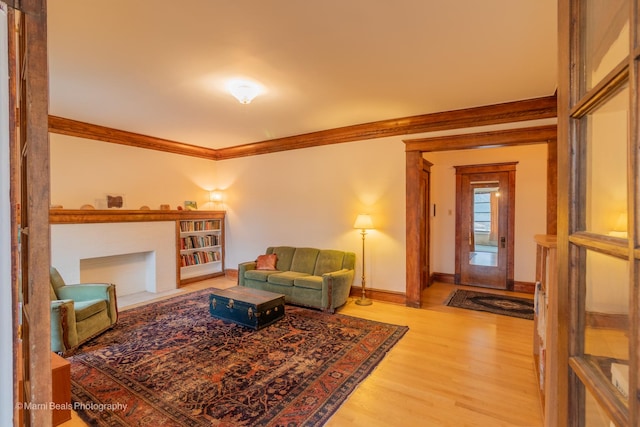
(209, 224)
(194, 242)
(197, 258)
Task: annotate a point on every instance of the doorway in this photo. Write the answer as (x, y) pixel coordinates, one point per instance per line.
(415, 148)
(485, 216)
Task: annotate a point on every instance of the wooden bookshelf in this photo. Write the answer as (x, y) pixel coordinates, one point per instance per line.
(545, 324)
(200, 248)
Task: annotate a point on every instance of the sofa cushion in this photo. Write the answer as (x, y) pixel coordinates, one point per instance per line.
(266, 262)
(308, 282)
(284, 255)
(304, 260)
(260, 275)
(285, 278)
(86, 309)
(328, 261)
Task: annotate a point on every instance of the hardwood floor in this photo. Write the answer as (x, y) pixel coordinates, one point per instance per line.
(454, 367)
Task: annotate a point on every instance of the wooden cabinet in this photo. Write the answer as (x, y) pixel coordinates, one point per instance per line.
(61, 390)
(544, 324)
(200, 247)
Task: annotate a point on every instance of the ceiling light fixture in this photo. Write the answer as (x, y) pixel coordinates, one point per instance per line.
(244, 91)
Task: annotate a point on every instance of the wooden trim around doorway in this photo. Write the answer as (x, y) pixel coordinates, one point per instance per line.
(414, 151)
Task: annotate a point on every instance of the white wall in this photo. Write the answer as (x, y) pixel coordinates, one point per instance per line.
(311, 197)
(531, 204)
(307, 197)
(83, 171)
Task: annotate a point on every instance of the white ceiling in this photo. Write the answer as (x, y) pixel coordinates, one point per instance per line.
(158, 67)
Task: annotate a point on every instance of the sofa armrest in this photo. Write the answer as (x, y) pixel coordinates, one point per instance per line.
(64, 335)
(244, 267)
(90, 291)
(84, 291)
(336, 287)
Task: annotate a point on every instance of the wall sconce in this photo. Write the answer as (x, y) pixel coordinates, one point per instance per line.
(620, 228)
(215, 197)
(364, 223)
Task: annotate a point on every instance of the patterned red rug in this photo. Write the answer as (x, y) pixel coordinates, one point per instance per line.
(171, 364)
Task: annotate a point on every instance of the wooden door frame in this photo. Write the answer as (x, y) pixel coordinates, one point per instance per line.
(414, 150)
(30, 165)
(510, 168)
(425, 230)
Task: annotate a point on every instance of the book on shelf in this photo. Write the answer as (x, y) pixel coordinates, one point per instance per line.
(193, 242)
(204, 225)
(197, 258)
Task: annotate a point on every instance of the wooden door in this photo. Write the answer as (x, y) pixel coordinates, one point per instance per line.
(484, 225)
(29, 97)
(425, 224)
(598, 308)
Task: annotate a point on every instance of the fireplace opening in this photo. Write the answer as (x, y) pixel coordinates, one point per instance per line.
(131, 273)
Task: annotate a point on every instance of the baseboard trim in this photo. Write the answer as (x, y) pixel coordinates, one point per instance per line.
(380, 295)
(443, 278)
(524, 287)
(231, 274)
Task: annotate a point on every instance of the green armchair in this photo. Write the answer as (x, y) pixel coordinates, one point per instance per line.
(79, 312)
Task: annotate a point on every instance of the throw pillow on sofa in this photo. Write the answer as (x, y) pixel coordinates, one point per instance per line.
(266, 262)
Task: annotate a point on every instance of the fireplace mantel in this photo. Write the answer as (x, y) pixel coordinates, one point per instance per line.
(87, 216)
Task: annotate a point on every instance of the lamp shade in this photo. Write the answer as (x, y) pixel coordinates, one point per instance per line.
(215, 196)
(363, 222)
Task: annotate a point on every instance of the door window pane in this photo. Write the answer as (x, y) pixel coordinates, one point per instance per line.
(606, 38)
(606, 334)
(594, 415)
(606, 166)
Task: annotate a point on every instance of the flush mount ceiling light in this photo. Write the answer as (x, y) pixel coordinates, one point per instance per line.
(244, 90)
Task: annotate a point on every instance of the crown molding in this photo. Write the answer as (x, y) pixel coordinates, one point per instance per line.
(532, 109)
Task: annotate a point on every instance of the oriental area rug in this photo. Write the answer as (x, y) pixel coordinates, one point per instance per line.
(492, 303)
(171, 364)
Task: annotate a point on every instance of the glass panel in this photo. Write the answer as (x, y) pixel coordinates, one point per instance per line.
(606, 165)
(606, 335)
(606, 38)
(484, 247)
(594, 415)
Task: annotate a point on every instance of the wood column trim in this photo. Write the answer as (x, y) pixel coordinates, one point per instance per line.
(35, 208)
(413, 169)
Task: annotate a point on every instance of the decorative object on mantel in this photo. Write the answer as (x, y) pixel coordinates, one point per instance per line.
(364, 223)
(190, 205)
(115, 201)
(205, 371)
(145, 208)
(165, 207)
(179, 208)
(87, 207)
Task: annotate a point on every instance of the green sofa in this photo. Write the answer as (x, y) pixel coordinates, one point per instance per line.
(317, 278)
(79, 312)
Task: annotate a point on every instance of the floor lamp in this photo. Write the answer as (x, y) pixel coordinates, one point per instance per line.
(364, 223)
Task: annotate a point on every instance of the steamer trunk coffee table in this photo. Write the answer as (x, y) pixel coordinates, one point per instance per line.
(253, 308)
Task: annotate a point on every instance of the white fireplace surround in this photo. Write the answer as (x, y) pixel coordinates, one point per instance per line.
(136, 256)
